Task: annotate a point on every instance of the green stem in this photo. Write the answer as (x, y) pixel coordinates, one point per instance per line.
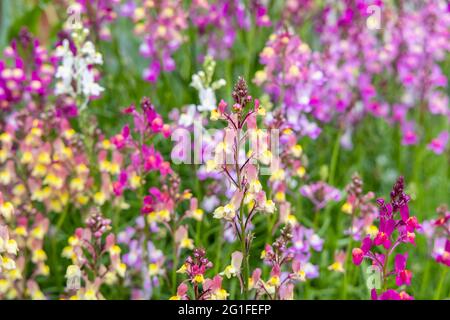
(244, 250)
(441, 283)
(334, 158)
(174, 268)
(347, 266)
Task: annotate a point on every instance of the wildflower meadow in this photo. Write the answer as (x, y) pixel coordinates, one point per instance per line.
(213, 149)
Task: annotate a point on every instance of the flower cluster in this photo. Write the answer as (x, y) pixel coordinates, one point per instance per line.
(204, 289)
(76, 73)
(392, 233)
(87, 250)
(361, 208)
(219, 21)
(96, 15)
(320, 194)
(25, 73)
(162, 24)
(437, 232)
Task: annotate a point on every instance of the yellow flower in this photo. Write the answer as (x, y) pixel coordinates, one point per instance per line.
(372, 230)
(255, 186)
(115, 250)
(294, 71)
(38, 233)
(82, 199)
(336, 266)
(5, 177)
(55, 205)
(69, 133)
(68, 252)
(7, 263)
(301, 171)
(121, 269)
(187, 243)
(81, 169)
(274, 281)
(44, 270)
(4, 286)
(297, 150)
(211, 165)
(39, 255)
(220, 294)
(5, 137)
(3, 155)
(7, 210)
(99, 198)
(44, 158)
(267, 52)
(269, 206)
(21, 231)
(164, 215)
(135, 181)
(260, 76)
(280, 196)
(291, 219)
(106, 144)
(263, 254)
(152, 217)
(14, 275)
(197, 214)
(182, 269)
(265, 156)
(77, 184)
(19, 190)
(153, 269)
(11, 246)
(277, 175)
(199, 278)
(347, 208)
(105, 166)
(215, 115)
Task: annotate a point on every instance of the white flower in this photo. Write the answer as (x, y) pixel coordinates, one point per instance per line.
(187, 118)
(77, 69)
(207, 99)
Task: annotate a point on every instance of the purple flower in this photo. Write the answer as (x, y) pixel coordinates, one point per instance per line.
(320, 194)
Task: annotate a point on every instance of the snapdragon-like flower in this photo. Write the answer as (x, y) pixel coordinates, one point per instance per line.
(219, 21)
(320, 194)
(361, 209)
(76, 71)
(206, 87)
(26, 72)
(242, 174)
(87, 249)
(194, 268)
(393, 231)
(162, 24)
(145, 263)
(96, 15)
(437, 232)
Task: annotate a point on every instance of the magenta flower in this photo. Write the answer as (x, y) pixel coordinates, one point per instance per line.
(389, 240)
(438, 144)
(403, 276)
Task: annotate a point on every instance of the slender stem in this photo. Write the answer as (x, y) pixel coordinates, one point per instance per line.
(441, 283)
(334, 158)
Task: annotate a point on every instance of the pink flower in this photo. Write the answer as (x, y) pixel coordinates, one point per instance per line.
(438, 144)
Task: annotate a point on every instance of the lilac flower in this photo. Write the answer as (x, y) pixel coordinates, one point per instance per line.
(320, 194)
